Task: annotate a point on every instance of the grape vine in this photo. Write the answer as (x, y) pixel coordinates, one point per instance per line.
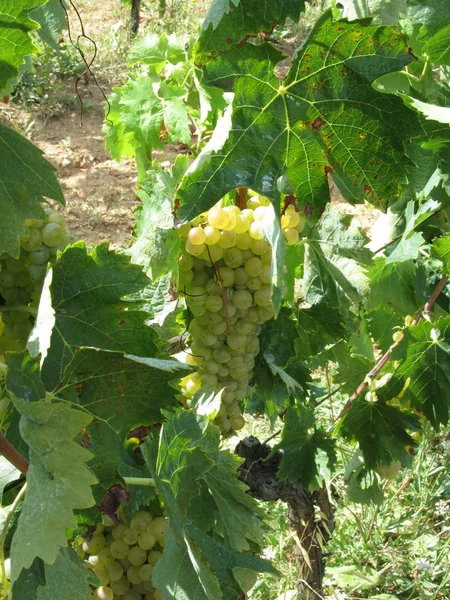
(130, 380)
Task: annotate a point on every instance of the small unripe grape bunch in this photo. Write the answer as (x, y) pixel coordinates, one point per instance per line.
(123, 557)
(225, 275)
(22, 278)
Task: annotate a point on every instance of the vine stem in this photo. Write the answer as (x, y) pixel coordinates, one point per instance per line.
(387, 355)
(241, 197)
(17, 499)
(12, 455)
(147, 481)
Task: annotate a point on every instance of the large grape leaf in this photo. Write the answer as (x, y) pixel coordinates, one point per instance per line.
(58, 480)
(381, 431)
(206, 566)
(15, 42)
(304, 446)
(87, 297)
(227, 24)
(433, 14)
(441, 248)
(324, 119)
(52, 20)
(121, 393)
(66, 579)
(26, 178)
(392, 285)
(426, 368)
(438, 47)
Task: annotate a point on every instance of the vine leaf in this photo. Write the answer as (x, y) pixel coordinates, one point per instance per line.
(392, 285)
(427, 367)
(306, 450)
(58, 481)
(52, 20)
(433, 14)
(15, 42)
(67, 578)
(441, 248)
(202, 560)
(121, 392)
(386, 12)
(230, 23)
(381, 431)
(87, 296)
(323, 119)
(26, 178)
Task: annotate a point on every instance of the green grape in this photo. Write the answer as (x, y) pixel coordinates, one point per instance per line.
(194, 249)
(23, 279)
(37, 272)
(207, 379)
(32, 241)
(244, 241)
(119, 549)
(244, 327)
(103, 593)
(227, 239)
(255, 230)
(105, 556)
(227, 276)
(200, 278)
(185, 277)
(197, 295)
(114, 570)
(19, 316)
(237, 422)
(57, 218)
(131, 595)
(38, 223)
(227, 397)
(10, 294)
(242, 299)
(213, 288)
(120, 587)
(158, 595)
(206, 338)
(14, 265)
(214, 304)
(146, 540)
(218, 328)
(266, 274)
(254, 283)
(133, 574)
(39, 256)
(212, 235)
(185, 262)
(222, 354)
(231, 213)
(137, 555)
(196, 236)
(52, 234)
(291, 236)
(145, 572)
(212, 254)
(21, 331)
(233, 258)
(130, 536)
(263, 296)
(6, 279)
(217, 217)
(99, 570)
(118, 531)
(266, 258)
(236, 341)
(253, 266)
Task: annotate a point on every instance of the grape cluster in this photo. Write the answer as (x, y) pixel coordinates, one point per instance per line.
(225, 274)
(21, 279)
(123, 557)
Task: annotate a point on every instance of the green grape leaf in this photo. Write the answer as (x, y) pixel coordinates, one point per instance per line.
(334, 259)
(426, 368)
(382, 12)
(205, 565)
(156, 244)
(364, 487)
(318, 328)
(26, 178)
(434, 14)
(67, 578)
(87, 292)
(122, 392)
(29, 580)
(304, 445)
(431, 112)
(352, 371)
(156, 299)
(306, 124)
(157, 50)
(381, 431)
(58, 481)
(23, 377)
(52, 20)
(15, 41)
(381, 325)
(441, 249)
(438, 47)
(392, 286)
(175, 112)
(228, 24)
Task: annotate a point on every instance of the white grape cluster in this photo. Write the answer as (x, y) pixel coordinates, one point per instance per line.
(225, 274)
(21, 279)
(123, 557)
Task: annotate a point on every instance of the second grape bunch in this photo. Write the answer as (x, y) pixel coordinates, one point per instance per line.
(225, 274)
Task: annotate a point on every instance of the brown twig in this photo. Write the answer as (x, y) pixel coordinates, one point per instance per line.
(387, 355)
(12, 455)
(241, 197)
